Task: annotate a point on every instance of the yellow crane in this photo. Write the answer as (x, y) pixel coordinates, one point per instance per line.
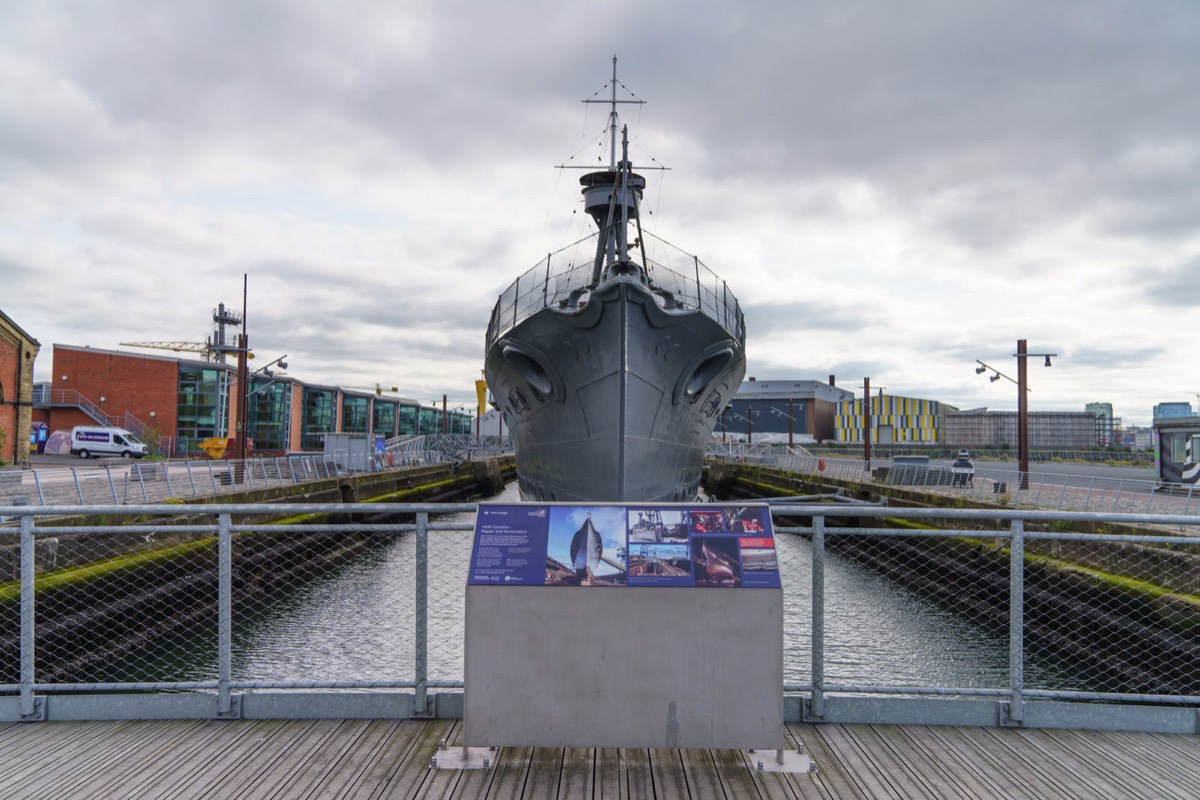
(206, 348)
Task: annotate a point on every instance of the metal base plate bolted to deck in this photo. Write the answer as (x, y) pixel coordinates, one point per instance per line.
(787, 761)
(464, 758)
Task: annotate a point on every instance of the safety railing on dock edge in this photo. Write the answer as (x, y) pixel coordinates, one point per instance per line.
(989, 484)
(977, 618)
(125, 481)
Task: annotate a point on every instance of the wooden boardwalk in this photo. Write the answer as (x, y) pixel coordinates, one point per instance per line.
(390, 759)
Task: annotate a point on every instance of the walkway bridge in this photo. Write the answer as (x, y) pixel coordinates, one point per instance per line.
(86, 641)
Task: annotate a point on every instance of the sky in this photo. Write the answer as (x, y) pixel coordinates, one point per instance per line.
(892, 190)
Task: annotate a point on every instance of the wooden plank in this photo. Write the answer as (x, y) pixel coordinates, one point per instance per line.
(1159, 776)
(907, 759)
(324, 767)
(578, 773)
(350, 765)
(508, 778)
(1006, 750)
(639, 782)
(859, 761)
(700, 775)
(612, 782)
(833, 778)
(545, 773)
(23, 762)
(954, 755)
(666, 770)
(406, 761)
(1083, 773)
(289, 773)
(207, 744)
(121, 745)
(270, 742)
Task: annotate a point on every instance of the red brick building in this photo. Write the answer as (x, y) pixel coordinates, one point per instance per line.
(174, 404)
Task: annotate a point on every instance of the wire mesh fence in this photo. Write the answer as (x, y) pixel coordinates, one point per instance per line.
(1005, 603)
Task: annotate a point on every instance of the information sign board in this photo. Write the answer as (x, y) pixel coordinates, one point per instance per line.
(609, 545)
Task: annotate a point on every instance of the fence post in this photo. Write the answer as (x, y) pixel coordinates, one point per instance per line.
(38, 485)
(818, 618)
(30, 709)
(78, 488)
(224, 616)
(111, 485)
(1016, 623)
(421, 666)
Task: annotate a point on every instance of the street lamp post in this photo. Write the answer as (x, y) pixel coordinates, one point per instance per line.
(1022, 355)
(867, 424)
(791, 420)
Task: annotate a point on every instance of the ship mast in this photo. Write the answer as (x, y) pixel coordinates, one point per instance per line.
(611, 197)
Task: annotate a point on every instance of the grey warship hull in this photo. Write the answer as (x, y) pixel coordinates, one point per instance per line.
(611, 369)
(614, 401)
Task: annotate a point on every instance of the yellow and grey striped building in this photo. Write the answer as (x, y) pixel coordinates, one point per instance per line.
(894, 420)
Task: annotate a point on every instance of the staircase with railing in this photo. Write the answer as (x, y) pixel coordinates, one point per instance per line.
(44, 396)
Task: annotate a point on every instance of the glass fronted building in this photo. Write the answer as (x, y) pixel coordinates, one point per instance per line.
(203, 398)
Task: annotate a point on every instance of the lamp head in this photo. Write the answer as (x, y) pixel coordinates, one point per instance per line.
(980, 369)
(995, 377)
(283, 365)
(1048, 361)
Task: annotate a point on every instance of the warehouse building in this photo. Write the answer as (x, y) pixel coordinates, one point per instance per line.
(1048, 430)
(776, 410)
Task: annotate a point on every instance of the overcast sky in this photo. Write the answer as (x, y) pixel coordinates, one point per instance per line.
(892, 190)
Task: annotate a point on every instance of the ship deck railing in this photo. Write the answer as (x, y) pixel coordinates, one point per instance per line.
(1084, 629)
(674, 273)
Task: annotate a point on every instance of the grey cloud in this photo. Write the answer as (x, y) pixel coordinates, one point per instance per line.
(1176, 287)
(810, 315)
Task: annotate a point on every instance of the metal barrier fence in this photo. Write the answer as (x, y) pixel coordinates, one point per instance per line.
(123, 481)
(991, 484)
(978, 619)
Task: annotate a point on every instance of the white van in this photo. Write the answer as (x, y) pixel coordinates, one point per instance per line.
(87, 440)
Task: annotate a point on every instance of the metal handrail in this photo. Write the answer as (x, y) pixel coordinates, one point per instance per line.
(552, 280)
(1019, 703)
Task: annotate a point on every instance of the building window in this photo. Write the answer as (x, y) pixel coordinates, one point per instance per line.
(408, 421)
(383, 418)
(269, 414)
(201, 401)
(354, 414)
(318, 416)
